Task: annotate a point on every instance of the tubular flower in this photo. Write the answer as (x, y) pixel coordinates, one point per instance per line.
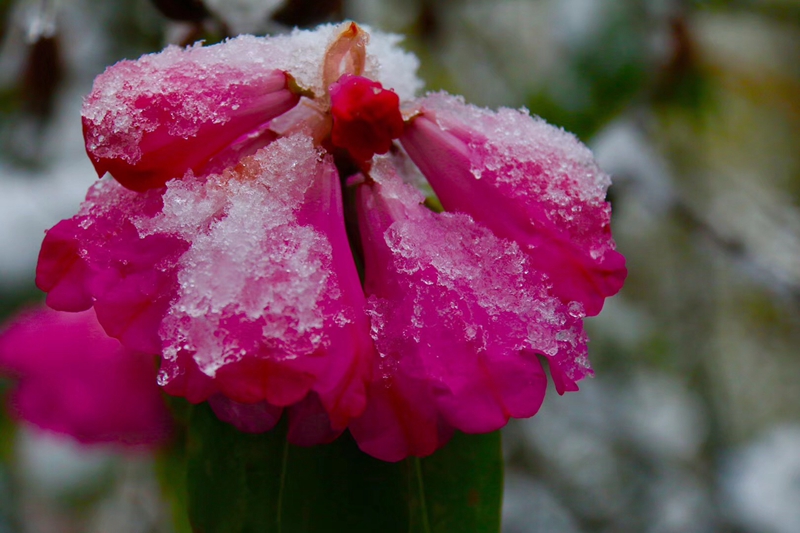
(74, 379)
(252, 181)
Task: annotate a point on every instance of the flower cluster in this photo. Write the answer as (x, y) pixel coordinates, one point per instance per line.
(271, 230)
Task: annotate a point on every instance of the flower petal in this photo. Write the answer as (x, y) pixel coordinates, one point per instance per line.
(151, 120)
(61, 272)
(74, 379)
(269, 303)
(247, 417)
(526, 181)
(99, 258)
(458, 316)
(309, 423)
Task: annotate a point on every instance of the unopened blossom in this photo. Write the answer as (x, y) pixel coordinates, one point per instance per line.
(72, 378)
(264, 231)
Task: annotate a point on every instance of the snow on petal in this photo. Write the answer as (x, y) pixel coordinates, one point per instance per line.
(74, 379)
(98, 258)
(458, 316)
(150, 120)
(269, 303)
(526, 181)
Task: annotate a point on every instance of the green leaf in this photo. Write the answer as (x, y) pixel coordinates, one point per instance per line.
(460, 487)
(239, 482)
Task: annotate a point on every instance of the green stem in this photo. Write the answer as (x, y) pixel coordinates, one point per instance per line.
(284, 462)
(426, 526)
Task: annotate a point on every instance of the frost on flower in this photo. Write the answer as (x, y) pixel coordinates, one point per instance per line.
(261, 232)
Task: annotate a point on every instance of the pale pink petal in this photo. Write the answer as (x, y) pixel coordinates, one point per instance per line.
(150, 120)
(526, 181)
(74, 379)
(458, 315)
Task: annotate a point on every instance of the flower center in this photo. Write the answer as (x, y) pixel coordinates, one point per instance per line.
(366, 117)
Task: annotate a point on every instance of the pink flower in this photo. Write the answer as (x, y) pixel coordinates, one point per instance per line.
(458, 316)
(551, 191)
(256, 178)
(74, 379)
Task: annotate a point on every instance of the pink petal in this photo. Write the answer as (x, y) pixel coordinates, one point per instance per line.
(186, 380)
(401, 419)
(309, 423)
(150, 120)
(458, 315)
(74, 379)
(526, 181)
(269, 304)
(250, 418)
(99, 258)
(61, 272)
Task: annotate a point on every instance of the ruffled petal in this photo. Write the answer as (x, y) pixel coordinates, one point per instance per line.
(401, 419)
(526, 181)
(269, 304)
(247, 417)
(150, 120)
(74, 379)
(61, 272)
(458, 316)
(309, 423)
(99, 258)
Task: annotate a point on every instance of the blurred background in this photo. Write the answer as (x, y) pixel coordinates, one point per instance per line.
(692, 422)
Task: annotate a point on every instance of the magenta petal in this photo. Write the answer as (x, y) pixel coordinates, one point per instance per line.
(269, 304)
(309, 423)
(61, 272)
(526, 181)
(401, 419)
(187, 380)
(73, 379)
(150, 120)
(457, 316)
(250, 418)
(133, 292)
(100, 258)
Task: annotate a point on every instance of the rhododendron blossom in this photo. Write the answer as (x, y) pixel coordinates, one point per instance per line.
(265, 231)
(74, 379)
